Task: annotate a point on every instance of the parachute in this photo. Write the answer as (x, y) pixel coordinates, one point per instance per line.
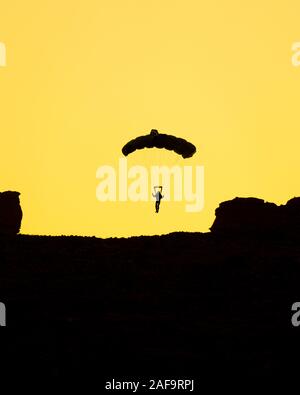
(160, 140)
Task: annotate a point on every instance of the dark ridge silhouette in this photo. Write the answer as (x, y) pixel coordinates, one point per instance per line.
(210, 306)
(10, 213)
(252, 215)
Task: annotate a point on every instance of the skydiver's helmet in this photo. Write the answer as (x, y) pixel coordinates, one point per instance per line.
(158, 188)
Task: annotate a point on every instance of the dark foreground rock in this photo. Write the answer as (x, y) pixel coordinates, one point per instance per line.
(215, 307)
(10, 213)
(255, 216)
(175, 306)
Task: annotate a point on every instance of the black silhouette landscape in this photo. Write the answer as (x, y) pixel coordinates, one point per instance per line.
(201, 305)
(10, 213)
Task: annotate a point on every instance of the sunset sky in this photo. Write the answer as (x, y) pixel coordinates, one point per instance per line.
(84, 77)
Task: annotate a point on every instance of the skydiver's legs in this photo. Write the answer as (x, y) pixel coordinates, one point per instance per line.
(157, 206)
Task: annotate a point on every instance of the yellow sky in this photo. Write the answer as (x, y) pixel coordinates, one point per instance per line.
(84, 77)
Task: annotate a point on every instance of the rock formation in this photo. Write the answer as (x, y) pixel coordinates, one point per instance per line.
(10, 213)
(247, 215)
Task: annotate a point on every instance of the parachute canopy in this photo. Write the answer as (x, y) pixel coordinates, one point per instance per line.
(160, 140)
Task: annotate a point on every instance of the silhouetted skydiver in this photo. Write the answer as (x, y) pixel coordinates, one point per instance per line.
(158, 196)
